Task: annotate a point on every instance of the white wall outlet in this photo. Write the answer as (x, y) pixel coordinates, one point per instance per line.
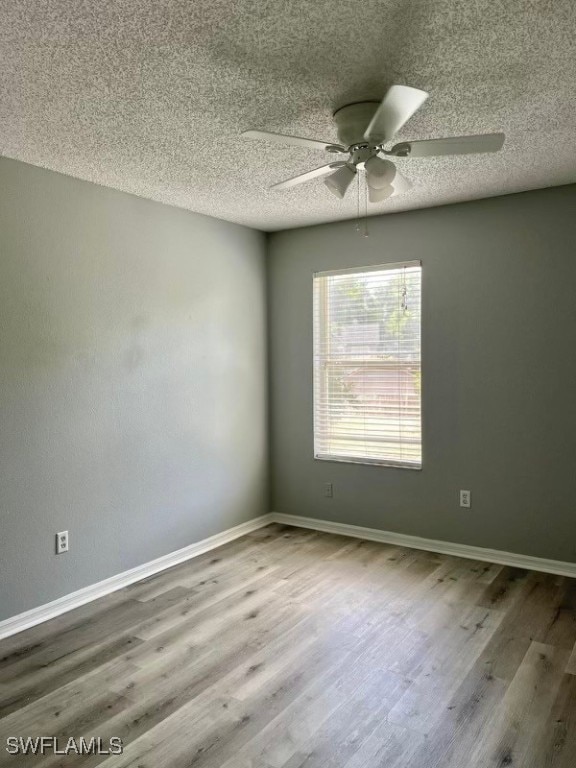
(62, 544)
(328, 490)
(465, 499)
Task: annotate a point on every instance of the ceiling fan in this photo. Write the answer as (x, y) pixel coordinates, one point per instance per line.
(363, 129)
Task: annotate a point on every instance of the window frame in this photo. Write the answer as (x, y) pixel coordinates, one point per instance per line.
(323, 329)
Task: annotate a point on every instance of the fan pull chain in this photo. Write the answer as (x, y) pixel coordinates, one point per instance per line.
(366, 234)
(358, 227)
(357, 202)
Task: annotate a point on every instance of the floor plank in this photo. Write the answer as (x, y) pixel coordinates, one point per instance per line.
(290, 648)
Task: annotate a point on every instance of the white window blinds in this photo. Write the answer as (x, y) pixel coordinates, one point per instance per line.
(367, 375)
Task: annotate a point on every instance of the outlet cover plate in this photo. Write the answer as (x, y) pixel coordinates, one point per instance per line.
(62, 542)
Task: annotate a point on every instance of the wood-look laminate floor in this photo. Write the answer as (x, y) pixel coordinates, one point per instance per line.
(296, 649)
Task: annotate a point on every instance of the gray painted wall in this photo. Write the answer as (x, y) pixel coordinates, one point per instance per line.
(132, 381)
(499, 374)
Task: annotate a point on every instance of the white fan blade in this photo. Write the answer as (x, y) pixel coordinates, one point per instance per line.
(339, 182)
(296, 140)
(401, 183)
(324, 170)
(456, 145)
(397, 107)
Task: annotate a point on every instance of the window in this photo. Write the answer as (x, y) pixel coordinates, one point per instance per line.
(367, 376)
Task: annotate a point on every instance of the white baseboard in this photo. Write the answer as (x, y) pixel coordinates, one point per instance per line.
(557, 567)
(85, 595)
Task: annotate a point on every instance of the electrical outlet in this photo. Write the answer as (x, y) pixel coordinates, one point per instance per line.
(465, 499)
(328, 490)
(62, 544)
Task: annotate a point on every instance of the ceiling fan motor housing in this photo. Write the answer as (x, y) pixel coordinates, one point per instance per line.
(361, 153)
(352, 121)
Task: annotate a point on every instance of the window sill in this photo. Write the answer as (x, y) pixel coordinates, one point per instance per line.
(369, 462)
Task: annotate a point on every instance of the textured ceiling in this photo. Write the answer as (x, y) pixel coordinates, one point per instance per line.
(149, 96)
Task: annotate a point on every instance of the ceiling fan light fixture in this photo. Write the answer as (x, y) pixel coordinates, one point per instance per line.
(380, 173)
(384, 180)
(339, 181)
(377, 195)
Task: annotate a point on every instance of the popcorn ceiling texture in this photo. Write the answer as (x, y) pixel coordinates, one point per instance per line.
(150, 96)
